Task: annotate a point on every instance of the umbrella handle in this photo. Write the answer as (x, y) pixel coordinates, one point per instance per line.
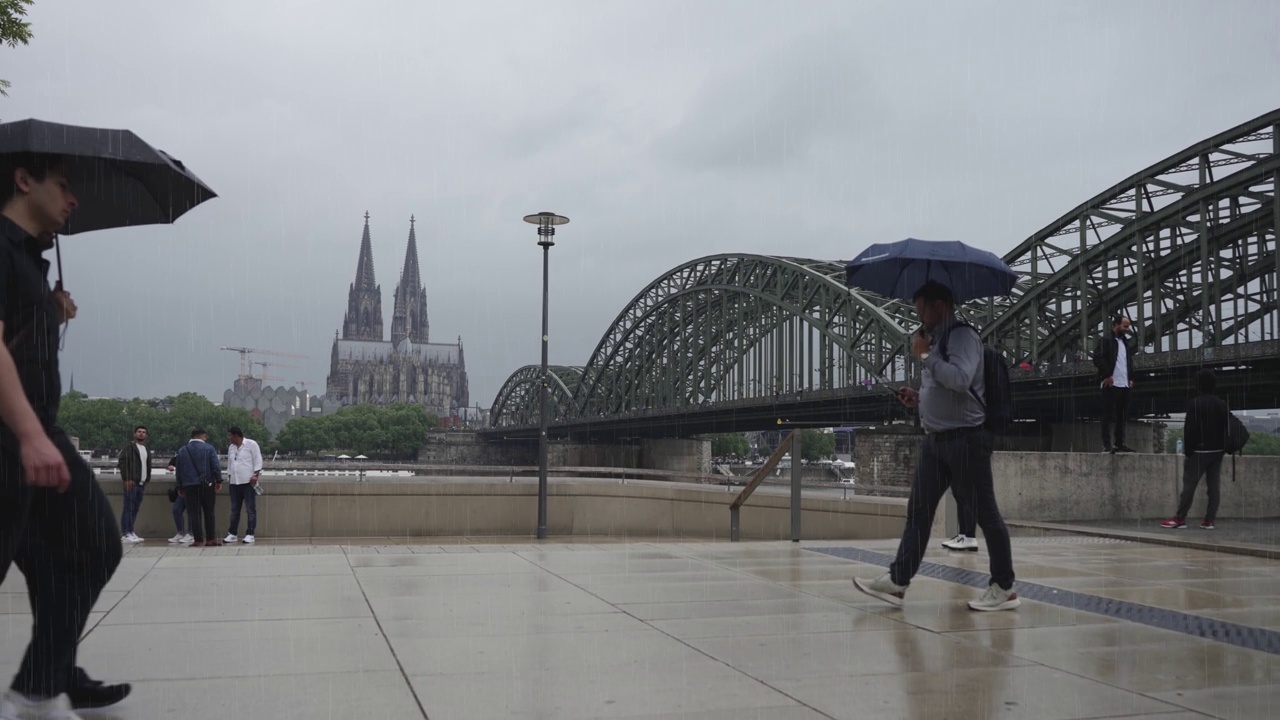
(57, 251)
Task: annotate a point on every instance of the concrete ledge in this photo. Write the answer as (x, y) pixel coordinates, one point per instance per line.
(1168, 538)
(482, 508)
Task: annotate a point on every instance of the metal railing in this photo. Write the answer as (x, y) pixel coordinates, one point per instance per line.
(790, 444)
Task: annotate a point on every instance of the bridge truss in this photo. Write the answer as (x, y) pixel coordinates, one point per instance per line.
(1186, 247)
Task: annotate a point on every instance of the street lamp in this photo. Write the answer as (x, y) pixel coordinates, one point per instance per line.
(546, 223)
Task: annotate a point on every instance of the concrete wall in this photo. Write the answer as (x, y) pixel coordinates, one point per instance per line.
(887, 457)
(690, 456)
(1087, 437)
(426, 509)
(1093, 486)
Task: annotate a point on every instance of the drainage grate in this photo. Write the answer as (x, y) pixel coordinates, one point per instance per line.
(1244, 636)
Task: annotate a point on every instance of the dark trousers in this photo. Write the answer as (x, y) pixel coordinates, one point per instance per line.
(129, 513)
(200, 499)
(1210, 466)
(243, 494)
(962, 461)
(68, 546)
(967, 516)
(179, 512)
(1115, 411)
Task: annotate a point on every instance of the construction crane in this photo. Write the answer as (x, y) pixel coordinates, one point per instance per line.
(266, 365)
(245, 365)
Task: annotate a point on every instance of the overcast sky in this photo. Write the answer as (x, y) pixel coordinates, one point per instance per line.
(665, 130)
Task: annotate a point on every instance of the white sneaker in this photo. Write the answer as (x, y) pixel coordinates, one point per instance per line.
(176, 538)
(229, 538)
(249, 539)
(133, 537)
(188, 539)
(996, 598)
(961, 542)
(882, 588)
(16, 706)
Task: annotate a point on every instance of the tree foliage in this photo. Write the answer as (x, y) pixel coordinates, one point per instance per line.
(13, 29)
(730, 444)
(1260, 443)
(817, 445)
(107, 425)
(393, 432)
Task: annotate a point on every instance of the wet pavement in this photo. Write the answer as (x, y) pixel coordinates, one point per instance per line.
(1253, 531)
(585, 628)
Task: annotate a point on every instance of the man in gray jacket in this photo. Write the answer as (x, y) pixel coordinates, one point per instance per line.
(956, 452)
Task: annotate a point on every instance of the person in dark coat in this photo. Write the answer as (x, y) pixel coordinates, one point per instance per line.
(56, 524)
(134, 465)
(1113, 357)
(200, 479)
(1204, 444)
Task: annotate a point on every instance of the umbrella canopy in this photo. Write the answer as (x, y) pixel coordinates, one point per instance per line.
(118, 179)
(344, 457)
(897, 270)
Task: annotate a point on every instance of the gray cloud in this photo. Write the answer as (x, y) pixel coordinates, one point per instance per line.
(666, 131)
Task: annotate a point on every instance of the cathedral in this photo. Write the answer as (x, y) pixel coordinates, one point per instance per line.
(366, 369)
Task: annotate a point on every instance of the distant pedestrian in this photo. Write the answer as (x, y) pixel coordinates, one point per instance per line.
(1113, 357)
(200, 477)
(956, 452)
(244, 469)
(1204, 444)
(179, 510)
(134, 465)
(967, 539)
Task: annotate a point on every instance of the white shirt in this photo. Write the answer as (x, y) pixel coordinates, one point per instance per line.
(1120, 376)
(142, 456)
(243, 461)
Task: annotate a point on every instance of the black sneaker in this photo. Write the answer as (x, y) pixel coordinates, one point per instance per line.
(98, 695)
(1124, 449)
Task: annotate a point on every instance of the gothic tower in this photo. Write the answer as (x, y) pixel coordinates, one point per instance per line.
(409, 318)
(364, 299)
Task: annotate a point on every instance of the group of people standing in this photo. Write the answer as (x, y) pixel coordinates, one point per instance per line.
(198, 472)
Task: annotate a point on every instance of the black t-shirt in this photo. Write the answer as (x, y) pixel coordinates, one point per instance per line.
(30, 320)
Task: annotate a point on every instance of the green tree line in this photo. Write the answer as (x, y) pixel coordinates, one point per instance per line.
(395, 432)
(1260, 443)
(107, 425)
(815, 445)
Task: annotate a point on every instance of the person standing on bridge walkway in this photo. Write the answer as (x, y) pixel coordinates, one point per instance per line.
(956, 452)
(1113, 357)
(1204, 445)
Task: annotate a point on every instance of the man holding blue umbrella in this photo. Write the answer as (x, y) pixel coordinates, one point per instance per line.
(957, 447)
(55, 522)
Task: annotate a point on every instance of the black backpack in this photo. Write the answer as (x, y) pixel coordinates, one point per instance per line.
(998, 399)
(1237, 434)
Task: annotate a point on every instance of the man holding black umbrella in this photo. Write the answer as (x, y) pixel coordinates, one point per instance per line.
(55, 522)
(952, 399)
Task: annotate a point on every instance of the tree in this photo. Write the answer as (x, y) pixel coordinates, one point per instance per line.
(394, 432)
(13, 29)
(1171, 440)
(817, 445)
(107, 425)
(730, 444)
(1262, 443)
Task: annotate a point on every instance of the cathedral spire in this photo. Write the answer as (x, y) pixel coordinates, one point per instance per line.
(364, 297)
(364, 268)
(409, 318)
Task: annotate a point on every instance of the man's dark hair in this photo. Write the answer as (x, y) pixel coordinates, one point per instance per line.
(934, 291)
(235, 431)
(140, 427)
(37, 164)
(1206, 381)
(1118, 318)
(198, 432)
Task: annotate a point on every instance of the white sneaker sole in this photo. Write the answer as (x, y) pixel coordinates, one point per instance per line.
(887, 597)
(1006, 605)
(960, 549)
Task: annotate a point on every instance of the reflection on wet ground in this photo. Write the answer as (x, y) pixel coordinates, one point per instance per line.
(585, 628)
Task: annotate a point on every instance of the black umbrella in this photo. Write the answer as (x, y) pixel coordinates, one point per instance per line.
(118, 179)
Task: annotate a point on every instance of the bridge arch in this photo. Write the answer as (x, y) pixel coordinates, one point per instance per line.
(517, 403)
(1186, 247)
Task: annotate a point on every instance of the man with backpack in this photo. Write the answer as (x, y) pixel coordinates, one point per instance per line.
(1206, 440)
(957, 412)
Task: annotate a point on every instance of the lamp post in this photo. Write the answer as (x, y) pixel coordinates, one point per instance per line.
(546, 222)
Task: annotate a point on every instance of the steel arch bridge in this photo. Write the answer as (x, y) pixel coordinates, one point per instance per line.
(1186, 247)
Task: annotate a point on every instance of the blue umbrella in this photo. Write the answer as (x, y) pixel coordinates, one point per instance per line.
(897, 270)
